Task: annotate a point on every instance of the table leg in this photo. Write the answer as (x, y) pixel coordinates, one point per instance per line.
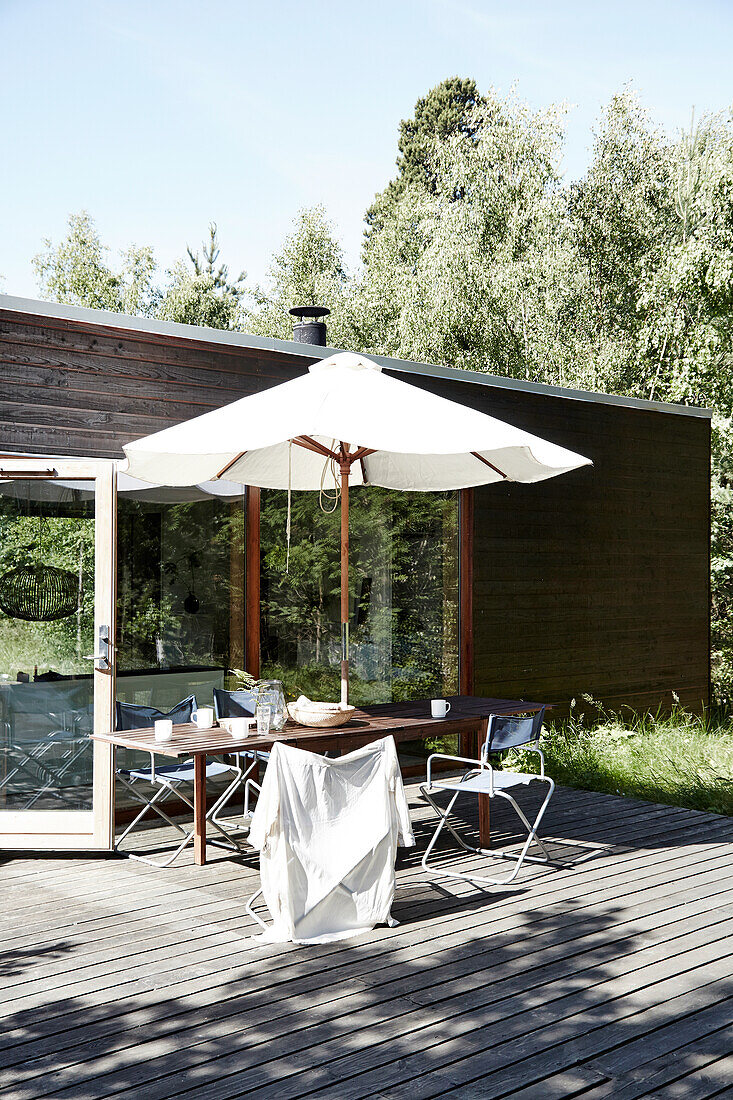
(484, 820)
(484, 802)
(199, 809)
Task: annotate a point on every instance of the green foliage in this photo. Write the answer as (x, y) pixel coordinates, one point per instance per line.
(75, 271)
(679, 759)
(308, 270)
(445, 111)
(28, 535)
(403, 591)
(204, 295)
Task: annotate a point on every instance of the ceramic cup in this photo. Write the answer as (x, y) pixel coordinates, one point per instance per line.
(204, 718)
(239, 726)
(439, 707)
(163, 729)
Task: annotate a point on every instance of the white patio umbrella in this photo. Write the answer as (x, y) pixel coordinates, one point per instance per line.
(368, 427)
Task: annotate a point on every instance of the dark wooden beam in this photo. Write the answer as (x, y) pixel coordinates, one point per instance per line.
(361, 453)
(237, 586)
(465, 591)
(252, 582)
(230, 464)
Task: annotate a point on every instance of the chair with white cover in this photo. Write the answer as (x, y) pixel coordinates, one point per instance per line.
(483, 778)
(327, 831)
(170, 780)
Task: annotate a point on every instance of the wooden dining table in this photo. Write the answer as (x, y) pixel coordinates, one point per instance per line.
(467, 719)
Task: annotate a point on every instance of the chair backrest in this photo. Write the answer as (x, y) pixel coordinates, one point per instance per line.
(234, 704)
(130, 716)
(506, 732)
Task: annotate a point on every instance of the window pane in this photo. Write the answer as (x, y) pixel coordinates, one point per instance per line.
(46, 628)
(180, 602)
(403, 595)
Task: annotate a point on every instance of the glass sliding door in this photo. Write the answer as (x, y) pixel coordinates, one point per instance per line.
(57, 581)
(181, 602)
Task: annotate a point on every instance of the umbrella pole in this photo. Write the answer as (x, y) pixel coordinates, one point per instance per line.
(344, 581)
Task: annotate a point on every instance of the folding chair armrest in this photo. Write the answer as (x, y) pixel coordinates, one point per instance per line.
(457, 759)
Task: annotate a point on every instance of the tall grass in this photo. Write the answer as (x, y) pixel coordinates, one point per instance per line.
(680, 759)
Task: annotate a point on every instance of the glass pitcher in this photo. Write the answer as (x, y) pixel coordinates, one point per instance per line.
(270, 694)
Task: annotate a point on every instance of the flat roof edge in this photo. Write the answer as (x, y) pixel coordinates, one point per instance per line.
(153, 326)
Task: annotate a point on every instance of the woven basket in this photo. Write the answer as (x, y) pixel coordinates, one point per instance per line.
(319, 715)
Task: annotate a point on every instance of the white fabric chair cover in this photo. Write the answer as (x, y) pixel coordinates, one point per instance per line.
(327, 832)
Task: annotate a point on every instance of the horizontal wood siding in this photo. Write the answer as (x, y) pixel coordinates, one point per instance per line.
(74, 388)
(596, 582)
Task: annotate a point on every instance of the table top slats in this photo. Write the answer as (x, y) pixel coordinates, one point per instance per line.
(404, 721)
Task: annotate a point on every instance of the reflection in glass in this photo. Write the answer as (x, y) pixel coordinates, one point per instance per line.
(403, 595)
(180, 602)
(46, 687)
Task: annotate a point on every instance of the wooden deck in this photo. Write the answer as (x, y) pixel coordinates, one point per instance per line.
(610, 977)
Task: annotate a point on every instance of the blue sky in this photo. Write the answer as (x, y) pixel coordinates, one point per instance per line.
(159, 115)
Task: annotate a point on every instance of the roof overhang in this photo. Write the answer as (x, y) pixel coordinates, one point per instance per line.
(308, 352)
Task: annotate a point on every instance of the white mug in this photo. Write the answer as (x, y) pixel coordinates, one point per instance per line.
(439, 707)
(204, 718)
(163, 729)
(240, 726)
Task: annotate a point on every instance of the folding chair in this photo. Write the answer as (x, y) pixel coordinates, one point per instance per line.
(168, 781)
(484, 779)
(241, 704)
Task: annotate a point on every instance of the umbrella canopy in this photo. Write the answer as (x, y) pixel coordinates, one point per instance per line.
(371, 428)
(409, 438)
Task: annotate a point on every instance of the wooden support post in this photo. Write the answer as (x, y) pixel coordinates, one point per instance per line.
(237, 657)
(344, 578)
(465, 586)
(252, 582)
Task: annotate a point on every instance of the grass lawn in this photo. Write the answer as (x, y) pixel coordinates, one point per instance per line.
(681, 759)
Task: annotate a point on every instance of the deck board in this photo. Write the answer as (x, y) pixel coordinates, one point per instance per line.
(607, 975)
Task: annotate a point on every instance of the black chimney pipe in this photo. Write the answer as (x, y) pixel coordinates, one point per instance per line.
(309, 328)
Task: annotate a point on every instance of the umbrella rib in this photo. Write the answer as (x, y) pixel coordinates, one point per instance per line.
(361, 453)
(312, 445)
(229, 465)
(491, 465)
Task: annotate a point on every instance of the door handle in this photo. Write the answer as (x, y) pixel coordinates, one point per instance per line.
(97, 657)
(105, 648)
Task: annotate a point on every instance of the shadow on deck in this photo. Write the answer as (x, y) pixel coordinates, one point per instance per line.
(606, 976)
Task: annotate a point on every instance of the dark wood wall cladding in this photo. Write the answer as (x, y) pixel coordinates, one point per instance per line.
(79, 389)
(597, 582)
(594, 582)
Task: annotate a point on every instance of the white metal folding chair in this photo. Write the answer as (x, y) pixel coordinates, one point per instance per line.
(483, 779)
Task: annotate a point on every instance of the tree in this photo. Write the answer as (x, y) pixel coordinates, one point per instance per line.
(464, 274)
(621, 215)
(204, 295)
(75, 271)
(447, 109)
(308, 270)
